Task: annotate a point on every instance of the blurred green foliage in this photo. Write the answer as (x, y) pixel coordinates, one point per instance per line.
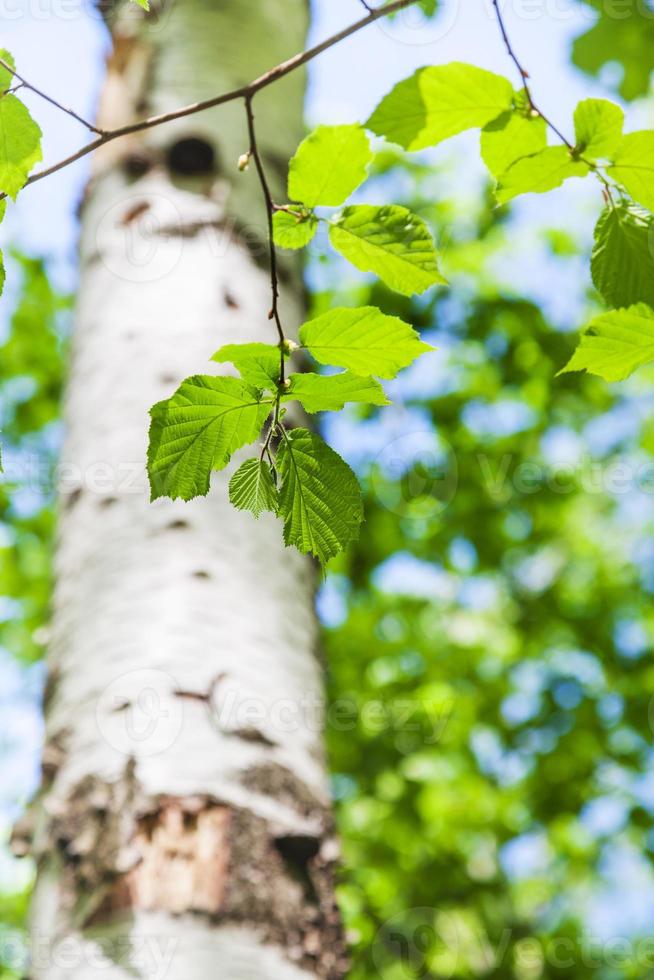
(32, 360)
(490, 681)
(30, 390)
(13, 916)
(623, 34)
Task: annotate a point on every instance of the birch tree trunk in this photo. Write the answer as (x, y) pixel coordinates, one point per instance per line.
(183, 829)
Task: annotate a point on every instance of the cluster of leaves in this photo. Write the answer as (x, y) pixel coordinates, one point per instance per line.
(439, 102)
(390, 241)
(297, 476)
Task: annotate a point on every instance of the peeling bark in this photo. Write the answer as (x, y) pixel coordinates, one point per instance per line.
(183, 828)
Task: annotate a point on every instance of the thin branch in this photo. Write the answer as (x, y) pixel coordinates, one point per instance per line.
(244, 92)
(48, 98)
(524, 74)
(270, 210)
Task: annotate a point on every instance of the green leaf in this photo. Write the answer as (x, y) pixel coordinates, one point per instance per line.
(320, 498)
(290, 231)
(598, 128)
(258, 364)
(364, 340)
(329, 165)
(6, 77)
(439, 102)
(622, 263)
(143, 3)
(514, 134)
(20, 145)
(253, 488)
(3, 209)
(391, 242)
(330, 392)
(616, 343)
(633, 166)
(197, 430)
(539, 173)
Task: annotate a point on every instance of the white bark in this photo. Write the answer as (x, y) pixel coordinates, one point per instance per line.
(183, 761)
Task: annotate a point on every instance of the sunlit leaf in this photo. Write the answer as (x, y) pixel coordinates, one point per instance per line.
(20, 144)
(365, 340)
(330, 392)
(258, 364)
(197, 430)
(539, 173)
(616, 343)
(329, 165)
(252, 487)
(391, 242)
(622, 263)
(633, 166)
(320, 498)
(516, 133)
(598, 128)
(438, 102)
(291, 231)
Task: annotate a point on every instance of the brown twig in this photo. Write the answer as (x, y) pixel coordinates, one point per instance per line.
(524, 74)
(270, 210)
(48, 98)
(244, 92)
